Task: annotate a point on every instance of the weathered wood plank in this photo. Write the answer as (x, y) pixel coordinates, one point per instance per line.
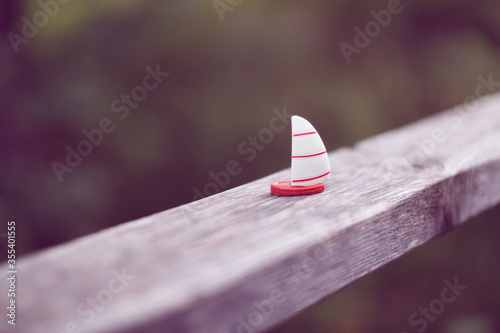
(244, 258)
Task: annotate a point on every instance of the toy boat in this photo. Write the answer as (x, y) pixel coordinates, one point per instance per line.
(310, 163)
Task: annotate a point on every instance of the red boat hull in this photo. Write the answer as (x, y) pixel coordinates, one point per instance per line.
(287, 190)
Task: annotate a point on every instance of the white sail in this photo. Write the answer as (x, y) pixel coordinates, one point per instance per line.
(310, 164)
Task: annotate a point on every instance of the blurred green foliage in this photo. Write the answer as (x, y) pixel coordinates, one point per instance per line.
(225, 79)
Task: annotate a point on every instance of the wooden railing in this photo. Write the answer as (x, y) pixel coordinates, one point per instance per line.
(243, 260)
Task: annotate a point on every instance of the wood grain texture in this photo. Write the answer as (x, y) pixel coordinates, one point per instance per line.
(244, 257)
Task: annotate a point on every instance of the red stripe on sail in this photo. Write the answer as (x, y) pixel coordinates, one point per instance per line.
(306, 180)
(304, 156)
(308, 133)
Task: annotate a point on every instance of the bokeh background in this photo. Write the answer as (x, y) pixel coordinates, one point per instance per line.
(226, 77)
